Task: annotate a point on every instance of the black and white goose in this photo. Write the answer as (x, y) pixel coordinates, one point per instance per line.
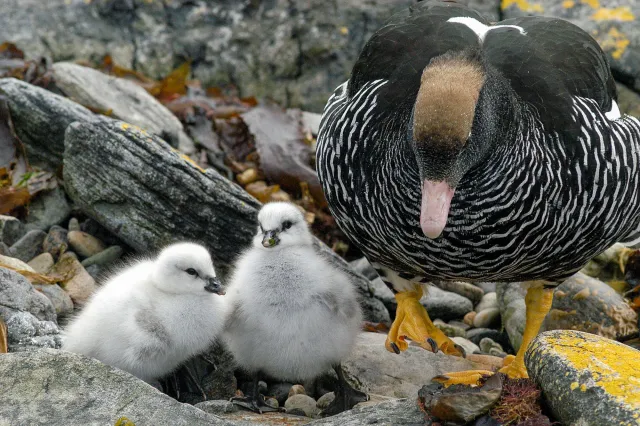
(459, 150)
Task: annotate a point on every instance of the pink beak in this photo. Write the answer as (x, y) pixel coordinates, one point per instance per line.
(436, 200)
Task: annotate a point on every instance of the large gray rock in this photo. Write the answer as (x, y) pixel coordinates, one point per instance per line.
(586, 379)
(380, 372)
(40, 117)
(29, 246)
(397, 412)
(614, 24)
(125, 99)
(18, 295)
(55, 387)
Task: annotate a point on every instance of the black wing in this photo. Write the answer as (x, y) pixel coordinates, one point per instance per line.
(554, 61)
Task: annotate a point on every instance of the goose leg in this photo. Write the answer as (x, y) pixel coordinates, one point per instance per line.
(538, 302)
(413, 322)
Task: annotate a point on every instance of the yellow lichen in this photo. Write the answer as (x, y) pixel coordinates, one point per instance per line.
(344, 30)
(523, 5)
(621, 14)
(574, 385)
(583, 387)
(190, 161)
(611, 366)
(582, 294)
(614, 41)
(568, 4)
(592, 3)
(123, 421)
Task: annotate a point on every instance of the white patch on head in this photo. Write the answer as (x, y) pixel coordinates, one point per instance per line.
(481, 29)
(614, 112)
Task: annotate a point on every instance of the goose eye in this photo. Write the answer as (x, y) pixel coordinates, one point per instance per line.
(286, 225)
(192, 271)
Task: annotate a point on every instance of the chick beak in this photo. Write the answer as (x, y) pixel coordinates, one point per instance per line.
(214, 286)
(270, 239)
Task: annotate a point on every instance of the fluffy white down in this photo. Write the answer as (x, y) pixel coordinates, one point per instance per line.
(291, 314)
(148, 328)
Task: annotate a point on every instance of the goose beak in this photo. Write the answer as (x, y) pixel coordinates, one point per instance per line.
(434, 211)
(270, 239)
(214, 286)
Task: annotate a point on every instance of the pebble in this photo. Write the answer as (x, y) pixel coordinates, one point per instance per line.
(42, 263)
(26, 332)
(104, 258)
(74, 225)
(460, 403)
(448, 329)
(279, 391)
(13, 263)
(489, 300)
(95, 271)
(272, 402)
(302, 402)
(296, 390)
(445, 305)
(82, 285)
(467, 290)
(48, 208)
(488, 346)
(487, 287)
(469, 317)
(588, 304)
(460, 324)
(468, 346)
(84, 244)
(29, 246)
(488, 318)
(325, 400)
(586, 379)
(56, 242)
(59, 298)
(477, 334)
(11, 229)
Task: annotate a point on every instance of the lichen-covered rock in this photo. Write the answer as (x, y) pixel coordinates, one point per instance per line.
(18, 295)
(125, 99)
(586, 379)
(587, 304)
(613, 24)
(56, 242)
(56, 387)
(41, 118)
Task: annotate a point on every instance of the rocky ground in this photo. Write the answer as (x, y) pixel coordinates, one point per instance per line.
(134, 146)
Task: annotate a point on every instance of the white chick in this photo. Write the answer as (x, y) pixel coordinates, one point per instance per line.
(154, 315)
(292, 315)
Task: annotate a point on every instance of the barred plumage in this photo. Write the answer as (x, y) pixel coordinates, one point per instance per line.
(538, 207)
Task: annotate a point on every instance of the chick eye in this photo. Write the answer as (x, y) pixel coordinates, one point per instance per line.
(286, 224)
(192, 271)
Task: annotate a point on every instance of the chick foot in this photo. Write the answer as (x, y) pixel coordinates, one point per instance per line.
(254, 403)
(413, 322)
(345, 396)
